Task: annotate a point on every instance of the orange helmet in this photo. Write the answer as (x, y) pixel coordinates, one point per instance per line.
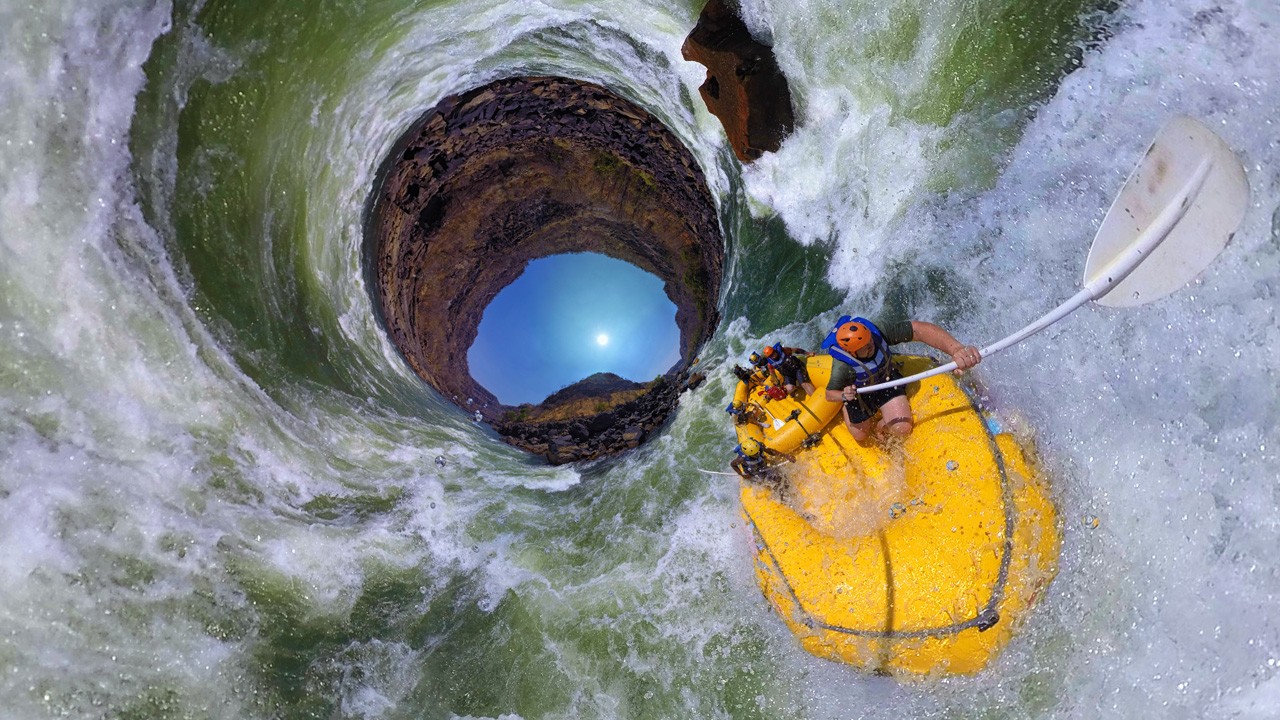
(853, 336)
(769, 352)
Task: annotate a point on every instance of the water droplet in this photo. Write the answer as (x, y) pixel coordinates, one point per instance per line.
(439, 461)
(1091, 521)
(952, 465)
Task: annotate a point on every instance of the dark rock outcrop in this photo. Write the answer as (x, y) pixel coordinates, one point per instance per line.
(622, 428)
(520, 169)
(744, 87)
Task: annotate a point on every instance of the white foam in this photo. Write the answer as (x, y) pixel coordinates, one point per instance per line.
(133, 444)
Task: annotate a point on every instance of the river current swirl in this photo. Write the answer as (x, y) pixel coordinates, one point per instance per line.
(223, 494)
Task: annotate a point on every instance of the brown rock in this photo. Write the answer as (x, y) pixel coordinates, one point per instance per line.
(632, 435)
(521, 169)
(744, 87)
(623, 428)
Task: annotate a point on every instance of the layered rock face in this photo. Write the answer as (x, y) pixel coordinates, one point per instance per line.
(521, 169)
(744, 87)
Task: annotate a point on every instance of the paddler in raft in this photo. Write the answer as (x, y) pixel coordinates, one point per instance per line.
(753, 459)
(788, 364)
(862, 347)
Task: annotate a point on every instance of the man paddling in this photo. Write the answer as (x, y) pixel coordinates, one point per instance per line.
(789, 365)
(861, 348)
(753, 459)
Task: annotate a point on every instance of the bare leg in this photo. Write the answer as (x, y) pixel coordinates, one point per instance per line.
(861, 431)
(895, 417)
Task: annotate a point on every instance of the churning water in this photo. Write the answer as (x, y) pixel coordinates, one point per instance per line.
(223, 494)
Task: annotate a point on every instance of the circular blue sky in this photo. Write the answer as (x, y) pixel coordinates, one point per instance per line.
(568, 317)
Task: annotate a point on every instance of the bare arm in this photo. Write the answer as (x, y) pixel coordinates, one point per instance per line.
(777, 453)
(964, 356)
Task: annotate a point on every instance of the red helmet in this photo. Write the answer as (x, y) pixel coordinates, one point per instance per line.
(853, 336)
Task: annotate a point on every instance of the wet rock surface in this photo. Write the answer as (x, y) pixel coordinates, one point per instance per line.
(525, 168)
(744, 87)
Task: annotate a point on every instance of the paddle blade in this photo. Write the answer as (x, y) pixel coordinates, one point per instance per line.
(1167, 172)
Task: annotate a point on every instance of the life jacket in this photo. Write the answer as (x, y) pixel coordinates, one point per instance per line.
(778, 358)
(751, 464)
(866, 372)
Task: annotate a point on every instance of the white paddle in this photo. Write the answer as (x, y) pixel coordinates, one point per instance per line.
(1175, 213)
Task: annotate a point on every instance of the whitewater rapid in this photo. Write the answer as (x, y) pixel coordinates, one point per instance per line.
(222, 493)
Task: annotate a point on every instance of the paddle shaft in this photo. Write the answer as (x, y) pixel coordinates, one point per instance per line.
(1099, 285)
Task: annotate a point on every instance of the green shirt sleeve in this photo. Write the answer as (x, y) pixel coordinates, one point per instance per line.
(841, 375)
(896, 333)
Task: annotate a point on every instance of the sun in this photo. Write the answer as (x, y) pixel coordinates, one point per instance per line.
(602, 339)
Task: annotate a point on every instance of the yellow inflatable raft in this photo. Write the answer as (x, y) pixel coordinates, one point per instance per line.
(921, 558)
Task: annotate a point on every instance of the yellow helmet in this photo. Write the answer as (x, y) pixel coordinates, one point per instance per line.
(752, 447)
(852, 336)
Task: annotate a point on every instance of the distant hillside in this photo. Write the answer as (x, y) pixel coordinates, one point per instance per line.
(596, 386)
(595, 394)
